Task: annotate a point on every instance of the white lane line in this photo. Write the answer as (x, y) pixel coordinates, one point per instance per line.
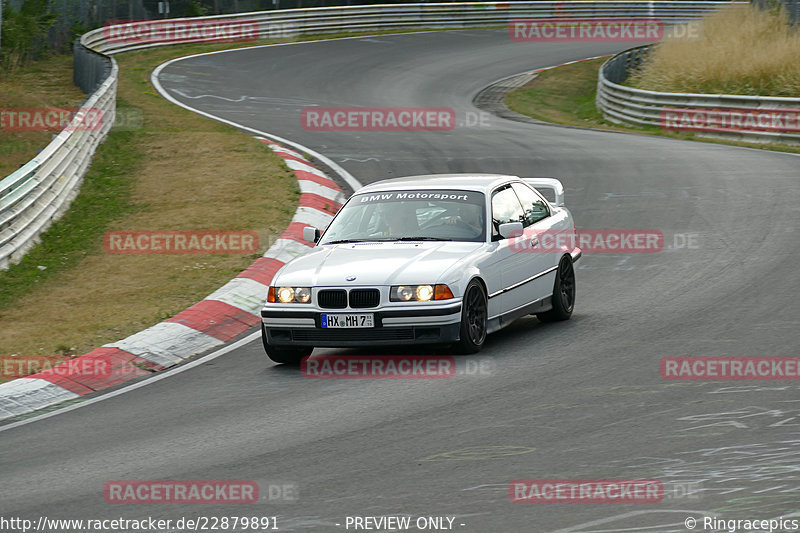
(147, 381)
(352, 181)
(345, 175)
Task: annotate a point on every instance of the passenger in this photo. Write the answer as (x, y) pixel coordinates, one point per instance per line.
(401, 220)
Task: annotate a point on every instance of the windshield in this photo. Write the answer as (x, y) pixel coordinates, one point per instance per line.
(441, 215)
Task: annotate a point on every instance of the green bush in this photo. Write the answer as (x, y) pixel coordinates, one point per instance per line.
(24, 32)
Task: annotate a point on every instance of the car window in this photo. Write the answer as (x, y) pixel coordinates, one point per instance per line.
(534, 207)
(505, 208)
(448, 215)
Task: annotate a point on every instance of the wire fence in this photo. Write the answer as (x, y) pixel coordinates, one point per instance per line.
(792, 6)
(75, 17)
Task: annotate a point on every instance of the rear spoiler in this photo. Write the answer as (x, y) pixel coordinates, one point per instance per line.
(549, 183)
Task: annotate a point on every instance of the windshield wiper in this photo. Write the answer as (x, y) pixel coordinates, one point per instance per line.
(422, 239)
(388, 239)
(345, 241)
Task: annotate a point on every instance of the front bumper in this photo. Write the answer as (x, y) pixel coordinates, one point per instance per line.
(419, 325)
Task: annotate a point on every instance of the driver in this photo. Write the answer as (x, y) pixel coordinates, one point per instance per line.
(471, 215)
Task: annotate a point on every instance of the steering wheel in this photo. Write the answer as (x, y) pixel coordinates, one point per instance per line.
(432, 223)
(459, 225)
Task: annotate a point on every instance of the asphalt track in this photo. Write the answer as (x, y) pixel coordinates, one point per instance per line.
(576, 400)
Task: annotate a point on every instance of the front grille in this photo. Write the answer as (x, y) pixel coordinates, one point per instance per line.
(354, 334)
(332, 299)
(361, 298)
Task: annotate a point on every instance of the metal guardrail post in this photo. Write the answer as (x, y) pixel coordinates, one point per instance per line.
(40, 192)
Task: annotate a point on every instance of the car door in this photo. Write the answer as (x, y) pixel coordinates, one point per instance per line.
(510, 266)
(540, 263)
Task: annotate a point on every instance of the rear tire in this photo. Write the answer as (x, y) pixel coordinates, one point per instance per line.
(563, 298)
(284, 355)
(474, 319)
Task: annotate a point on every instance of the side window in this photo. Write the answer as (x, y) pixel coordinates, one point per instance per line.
(535, 208)
(505, 208)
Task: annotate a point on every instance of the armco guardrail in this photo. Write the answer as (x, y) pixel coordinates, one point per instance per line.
(747, 118)
(40, 191)
(292, 22)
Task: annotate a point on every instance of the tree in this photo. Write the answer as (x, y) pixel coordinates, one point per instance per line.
(24, 32)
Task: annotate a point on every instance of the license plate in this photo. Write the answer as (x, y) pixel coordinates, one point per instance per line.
(350, 320)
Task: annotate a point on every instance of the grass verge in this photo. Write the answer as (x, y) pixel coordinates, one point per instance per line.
(68, 296)
(159, 171)
(44, 84)
(566, 95)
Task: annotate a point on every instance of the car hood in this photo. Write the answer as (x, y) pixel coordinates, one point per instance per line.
(375, 263)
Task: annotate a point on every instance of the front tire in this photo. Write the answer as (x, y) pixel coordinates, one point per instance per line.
(284, 355)
(563, 298)
(474, 319)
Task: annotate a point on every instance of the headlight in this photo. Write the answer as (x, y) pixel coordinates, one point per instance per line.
(302, 294)
(419, 293)
(288, 295)
(424, 293)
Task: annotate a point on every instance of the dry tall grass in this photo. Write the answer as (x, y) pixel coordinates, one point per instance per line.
(740, 50)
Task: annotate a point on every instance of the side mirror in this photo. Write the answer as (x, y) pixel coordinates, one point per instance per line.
(510, 229)
(310, 234)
